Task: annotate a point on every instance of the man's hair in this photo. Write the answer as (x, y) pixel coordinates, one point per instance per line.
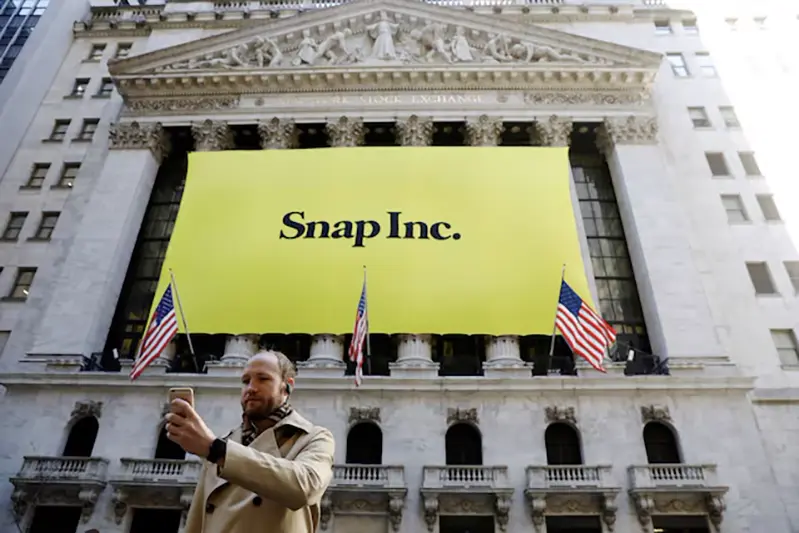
(284, 364)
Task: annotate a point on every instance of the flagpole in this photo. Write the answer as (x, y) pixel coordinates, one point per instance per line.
(368, 345)
(555, 325)
(180, 308)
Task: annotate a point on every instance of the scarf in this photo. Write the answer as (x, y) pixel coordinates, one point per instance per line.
(249, 431)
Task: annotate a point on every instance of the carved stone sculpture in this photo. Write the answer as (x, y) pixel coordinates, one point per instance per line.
(87, 408)
(484, 131)
(364, 414)
(560, 414)
(135, 136)
(608, 507)
(655, 413)
(554, 131)
(326, 511)
(644, 504)
(278, 134)
(538, 507)
(211, 136)
(396, 504)
(415, 131)
(633, 129)
(502, 507)
(458, 415)
(345, 131)
(430, 511)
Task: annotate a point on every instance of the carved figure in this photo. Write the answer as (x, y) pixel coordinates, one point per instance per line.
(336, 42)
(431, 41)
(497, 49)
(307, 51)
(461, 49)
(383, 33)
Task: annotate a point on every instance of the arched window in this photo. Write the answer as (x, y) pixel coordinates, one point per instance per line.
(661, 444)
(365, 444)
(562, 444)
(166, 449)
(464, 445)
(80, 441)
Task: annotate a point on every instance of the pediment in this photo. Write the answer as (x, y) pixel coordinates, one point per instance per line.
(388, 36)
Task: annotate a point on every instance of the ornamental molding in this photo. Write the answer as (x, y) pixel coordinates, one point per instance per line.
(86, 409)
(383, 44)
(140, 136)
(632, 129)
(655, 413)
(554, 413)
(458, 415)
(364, 414)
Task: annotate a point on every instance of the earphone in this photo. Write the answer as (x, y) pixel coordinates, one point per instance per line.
(288, 388)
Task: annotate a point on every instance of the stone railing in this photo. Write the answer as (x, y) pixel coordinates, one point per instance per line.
(63, 469)
(158, 471)
(376, 476)
(458, 477)
(568, 476)
(672, 476)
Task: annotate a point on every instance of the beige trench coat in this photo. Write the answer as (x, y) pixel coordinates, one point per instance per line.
(263, 487)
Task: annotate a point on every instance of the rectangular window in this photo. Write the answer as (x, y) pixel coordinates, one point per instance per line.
(678, 66)
(729, 116)
(769, 208)
(749, 163)
(37, 176)
(22, 284)
(786, 345)
(699, 117)
(735, 208)
(105, 89)
(96, 52)
(761, 278)
(792, 268)
(123, 50)
(59, 131)
(662, 27)
(689, 26)
(717, 163)
(79, 88)
(706, 66)
(14, 225)
(87, 129)
(68, 174)
(46, 226)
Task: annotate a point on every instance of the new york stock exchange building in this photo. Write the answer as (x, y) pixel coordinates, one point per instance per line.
(673, 228)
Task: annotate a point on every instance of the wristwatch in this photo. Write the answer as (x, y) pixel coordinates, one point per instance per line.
(217, 451)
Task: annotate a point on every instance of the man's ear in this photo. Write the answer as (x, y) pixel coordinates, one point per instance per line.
(289, 386)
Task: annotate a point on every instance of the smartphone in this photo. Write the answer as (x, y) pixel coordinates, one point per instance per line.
(184, 393)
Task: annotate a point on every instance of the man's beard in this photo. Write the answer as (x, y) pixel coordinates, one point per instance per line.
(261, 412)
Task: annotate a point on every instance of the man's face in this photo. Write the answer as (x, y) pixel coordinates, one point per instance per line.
(262, 388)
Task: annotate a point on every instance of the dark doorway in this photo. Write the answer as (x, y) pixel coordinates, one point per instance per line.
(563, 445)
(155, 521)
(661, 444)
(464, 445)
(573, 524)
(680, 524)
(80, 442)
(166, 449)
(365, 444)
(466, 524)
(55, 520)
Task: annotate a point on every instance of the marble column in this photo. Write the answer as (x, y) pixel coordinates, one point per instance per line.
(239, 349)
(345, 132)
(675, 307)
(212, 136)
(415, 131)
(278, 134)
(326, 358)
(503, 358)
(84, 289)
(414, 357)
(484, 131)
(554, 131)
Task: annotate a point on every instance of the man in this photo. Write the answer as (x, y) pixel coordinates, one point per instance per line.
(269, 474)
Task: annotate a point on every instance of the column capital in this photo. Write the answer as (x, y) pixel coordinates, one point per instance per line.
(484, 130)
(415, 131)
(211, 136)
(554, 130)
(633, 129)
(136, 136)
(278, 134)
(345, 131)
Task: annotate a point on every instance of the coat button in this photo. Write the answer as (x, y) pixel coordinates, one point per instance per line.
(257, 501)
(209, 508)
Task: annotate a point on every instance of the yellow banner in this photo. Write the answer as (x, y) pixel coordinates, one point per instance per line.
(454, 240)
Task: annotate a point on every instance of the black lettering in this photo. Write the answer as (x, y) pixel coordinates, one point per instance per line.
(409, 230)
(393, 217)
(360, 231)
(343, 230)
(435, 231)
(297, 226)
(310, 228)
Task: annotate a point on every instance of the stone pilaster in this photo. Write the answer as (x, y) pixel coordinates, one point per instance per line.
(676, 309)
(211, 136)
(326, 358)
(345, 131)
(484, 131)
(415, 131)
(278, 134)
(503, 358)
(554, 131)
(414, 357)
(91, 275)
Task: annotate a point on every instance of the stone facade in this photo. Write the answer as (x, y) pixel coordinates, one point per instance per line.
(205, 66)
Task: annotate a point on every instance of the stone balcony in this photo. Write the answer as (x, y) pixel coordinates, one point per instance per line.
(459, 490)
(153, 482)
(59, 481)
(571, 490)
(365, 490)
(675, 489)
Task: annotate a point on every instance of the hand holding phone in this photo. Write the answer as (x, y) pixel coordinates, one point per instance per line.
(184, 393)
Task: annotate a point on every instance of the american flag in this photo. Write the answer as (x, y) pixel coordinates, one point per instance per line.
(163, 326)
(359, 336)
(587, 334)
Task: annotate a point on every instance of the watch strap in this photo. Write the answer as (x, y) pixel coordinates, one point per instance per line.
(217, 450)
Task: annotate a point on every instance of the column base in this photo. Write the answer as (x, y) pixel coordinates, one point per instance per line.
(414, 369)
(227, 366)
(321, 368)
(156, 368)
(507, 368)
(55, 363)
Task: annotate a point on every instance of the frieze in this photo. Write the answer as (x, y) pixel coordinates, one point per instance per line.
(171, 106)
